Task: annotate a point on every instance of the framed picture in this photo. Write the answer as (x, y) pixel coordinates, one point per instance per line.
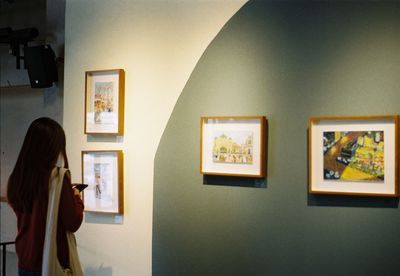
(104, 102)
(233, 146)
(102, 172)
(354, 155)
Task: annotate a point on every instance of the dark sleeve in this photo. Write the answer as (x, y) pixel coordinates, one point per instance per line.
(70, 214)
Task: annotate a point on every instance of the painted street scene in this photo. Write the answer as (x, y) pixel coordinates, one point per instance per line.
(233, 147)
(354, 155)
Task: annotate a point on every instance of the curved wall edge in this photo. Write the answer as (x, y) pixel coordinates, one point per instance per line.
(157, 43)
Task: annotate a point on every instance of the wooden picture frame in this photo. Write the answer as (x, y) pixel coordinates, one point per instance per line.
(104, 101)
(233, 146)
(355, 155)
(102, 171)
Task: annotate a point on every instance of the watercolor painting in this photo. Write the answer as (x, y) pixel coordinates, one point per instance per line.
(354, 155)
(233, 147)
(103, 100)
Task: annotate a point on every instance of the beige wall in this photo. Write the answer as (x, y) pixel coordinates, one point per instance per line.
(157, 43)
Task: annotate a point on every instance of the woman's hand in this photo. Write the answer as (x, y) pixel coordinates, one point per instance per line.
(76, 192)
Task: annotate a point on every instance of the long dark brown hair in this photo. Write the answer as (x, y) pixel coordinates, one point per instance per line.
(43, 143)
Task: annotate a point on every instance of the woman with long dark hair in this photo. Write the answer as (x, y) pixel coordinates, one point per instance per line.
(43, 149)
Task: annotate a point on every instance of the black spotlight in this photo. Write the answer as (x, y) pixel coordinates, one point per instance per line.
(41, 64)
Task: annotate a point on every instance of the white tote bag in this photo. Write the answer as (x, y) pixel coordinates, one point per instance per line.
(50, 265)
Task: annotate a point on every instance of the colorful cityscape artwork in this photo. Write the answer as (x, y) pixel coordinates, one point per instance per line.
(233, 147)
(354, 155)
(103, 99)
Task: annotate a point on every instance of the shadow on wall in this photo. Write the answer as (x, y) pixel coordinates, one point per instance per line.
(352, 201)
(235, 181)
(103, 218)
(100, 271)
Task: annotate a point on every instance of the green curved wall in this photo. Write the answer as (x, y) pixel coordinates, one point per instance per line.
(287, 61)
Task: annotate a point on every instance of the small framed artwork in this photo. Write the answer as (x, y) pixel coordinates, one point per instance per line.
(233, 146)
(354, 155)
(104, 102)
(102, 172)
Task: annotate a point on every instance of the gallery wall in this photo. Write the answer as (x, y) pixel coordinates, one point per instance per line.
(287, 61)
(157, 43)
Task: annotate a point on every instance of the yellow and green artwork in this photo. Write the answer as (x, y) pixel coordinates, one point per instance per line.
(354, 155)
(233, 147)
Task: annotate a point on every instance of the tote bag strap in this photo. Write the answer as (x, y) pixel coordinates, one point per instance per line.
(50, 264)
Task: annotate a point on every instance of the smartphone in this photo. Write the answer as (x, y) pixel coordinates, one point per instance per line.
(79, 186)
